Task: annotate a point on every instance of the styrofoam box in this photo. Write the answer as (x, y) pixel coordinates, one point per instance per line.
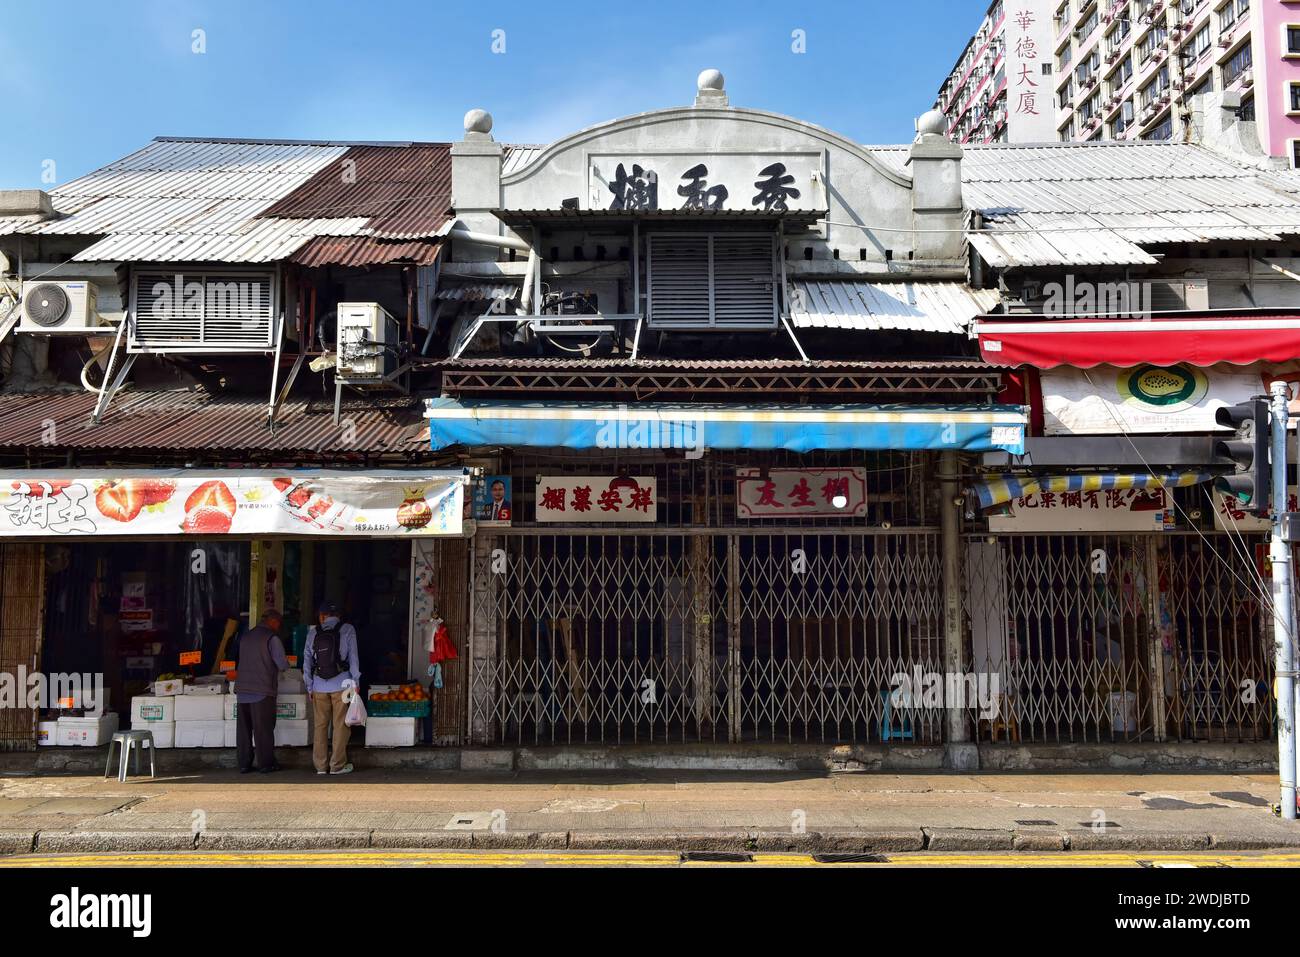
(231, 729)
(86, 732)
(291, 707)
(47, 733)
(151, 709)
(164, 732)
(390, 732)
(382, 689)
(288, 687)
(201, 734)
(230, 707)
(173, 686)
(211, 688)
(292, 734)
(199, 707)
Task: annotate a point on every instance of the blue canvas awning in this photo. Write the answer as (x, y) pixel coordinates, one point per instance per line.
(796, 428)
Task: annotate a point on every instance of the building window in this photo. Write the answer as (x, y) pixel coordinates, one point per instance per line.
(1293, 97)
(1247, 111)
(1231, 12)
(1201, 42)
(1293, 39)
(1295, 154)
(1237, 65)
(1164, 131)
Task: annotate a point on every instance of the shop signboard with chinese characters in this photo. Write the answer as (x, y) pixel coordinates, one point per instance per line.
(801, 493)
(597, 498)
(754, 181)
(1101, 510)
(1229, 516)
(180, 503)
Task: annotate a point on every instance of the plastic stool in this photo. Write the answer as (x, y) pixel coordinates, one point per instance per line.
(126, 741)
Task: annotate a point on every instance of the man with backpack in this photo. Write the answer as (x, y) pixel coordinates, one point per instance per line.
(261, 659)
(330, 667)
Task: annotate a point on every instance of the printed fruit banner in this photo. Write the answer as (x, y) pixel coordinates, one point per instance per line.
(159, 504)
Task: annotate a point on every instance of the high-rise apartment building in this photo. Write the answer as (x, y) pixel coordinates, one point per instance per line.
(1041, 70)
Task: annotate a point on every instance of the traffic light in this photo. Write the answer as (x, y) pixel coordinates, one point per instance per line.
(1252, 482)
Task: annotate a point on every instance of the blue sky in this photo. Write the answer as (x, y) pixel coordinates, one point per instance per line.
(89, 82)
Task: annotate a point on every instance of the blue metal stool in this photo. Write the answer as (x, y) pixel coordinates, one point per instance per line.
(126, 741)
(888, 730)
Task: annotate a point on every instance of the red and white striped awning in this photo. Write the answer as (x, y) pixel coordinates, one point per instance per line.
(1084, 343)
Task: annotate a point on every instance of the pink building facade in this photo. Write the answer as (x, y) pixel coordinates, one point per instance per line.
(1125, 70)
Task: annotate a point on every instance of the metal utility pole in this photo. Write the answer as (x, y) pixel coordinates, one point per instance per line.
(1283, 610)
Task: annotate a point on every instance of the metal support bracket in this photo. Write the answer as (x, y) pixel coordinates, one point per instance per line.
(278, 400)
(785, 321)
(112, 383)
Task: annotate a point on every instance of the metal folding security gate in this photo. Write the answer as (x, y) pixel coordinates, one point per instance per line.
(641, 636)
(1119, 637)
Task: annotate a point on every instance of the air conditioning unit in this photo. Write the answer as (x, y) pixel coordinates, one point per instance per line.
(60, 307)
(368, 338)
(1247, 77)
(1225, 41)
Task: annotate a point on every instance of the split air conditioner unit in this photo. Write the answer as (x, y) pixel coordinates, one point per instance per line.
(63, 307)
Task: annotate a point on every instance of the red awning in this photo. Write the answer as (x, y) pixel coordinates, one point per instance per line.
(1084, 343)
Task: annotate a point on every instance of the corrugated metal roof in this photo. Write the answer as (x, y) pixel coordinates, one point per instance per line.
(193, 199)
(365, 251)
(1098, 203)
(405, 190)
(946, 307)
(195, 421)
(516, 157)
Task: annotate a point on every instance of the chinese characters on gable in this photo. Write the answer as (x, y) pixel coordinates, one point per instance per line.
(636, 187)
(586, 498)
(801, 493)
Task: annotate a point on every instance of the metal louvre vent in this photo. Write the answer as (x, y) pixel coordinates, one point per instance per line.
(712, 280)
(203, 312)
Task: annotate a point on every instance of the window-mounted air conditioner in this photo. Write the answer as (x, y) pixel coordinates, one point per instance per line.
(368, 339)
(63, 307)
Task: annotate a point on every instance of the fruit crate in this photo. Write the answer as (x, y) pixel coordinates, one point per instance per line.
(397, 709)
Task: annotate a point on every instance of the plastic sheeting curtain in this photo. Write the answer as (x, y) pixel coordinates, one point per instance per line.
(216, 590)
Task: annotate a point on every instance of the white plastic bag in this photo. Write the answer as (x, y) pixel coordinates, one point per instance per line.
(356, 716)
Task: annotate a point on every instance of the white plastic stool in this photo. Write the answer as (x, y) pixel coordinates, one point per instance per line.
(126, 741)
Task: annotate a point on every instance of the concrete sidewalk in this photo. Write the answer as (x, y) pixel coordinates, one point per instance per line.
(673, 810)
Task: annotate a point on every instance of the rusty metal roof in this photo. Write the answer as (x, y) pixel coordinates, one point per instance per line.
(366, 251)
(182, 422)
(405, 190)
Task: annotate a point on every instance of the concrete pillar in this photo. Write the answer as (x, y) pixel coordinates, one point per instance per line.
(937, 206)
(960, 753)
(476, 184)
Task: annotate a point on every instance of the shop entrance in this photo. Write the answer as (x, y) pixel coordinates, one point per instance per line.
(1101, 638)
(709, 636)
(129, 610)
(369, 580)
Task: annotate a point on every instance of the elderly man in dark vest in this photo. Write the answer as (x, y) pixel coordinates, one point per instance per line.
(261, 659)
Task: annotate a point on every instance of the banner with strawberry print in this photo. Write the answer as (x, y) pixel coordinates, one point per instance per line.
(184, 503)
